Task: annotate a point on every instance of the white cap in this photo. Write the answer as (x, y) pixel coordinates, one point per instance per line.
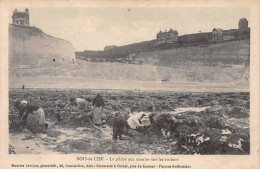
(23, 102)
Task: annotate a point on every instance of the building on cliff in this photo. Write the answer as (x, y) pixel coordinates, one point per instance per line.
(167, 37)
(109, 47)
(217, 34)
(31, 47)
(243, 24)
(167, 40)
(21, 18)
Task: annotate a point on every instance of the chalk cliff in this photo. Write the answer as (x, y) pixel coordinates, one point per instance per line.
(31, 47)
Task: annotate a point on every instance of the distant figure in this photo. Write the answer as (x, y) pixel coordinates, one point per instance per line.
(79, 102)
(98, 114)
(23, 87)
(119, 124)
(34, 116)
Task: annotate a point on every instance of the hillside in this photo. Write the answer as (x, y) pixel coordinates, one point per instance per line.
(30, 47)
(231, 52)
(204, 67)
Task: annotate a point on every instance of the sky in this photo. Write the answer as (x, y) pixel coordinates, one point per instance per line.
(94, 28)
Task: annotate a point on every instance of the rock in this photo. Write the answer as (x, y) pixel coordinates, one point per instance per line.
(214, 121)
(27, 137)
(226, 132)
(80, 129)
(223, 139)
(215, 110)
(53, 133)
(179, 116)
(237, 112)
(50, 124)
(173, 143)
(74, 109)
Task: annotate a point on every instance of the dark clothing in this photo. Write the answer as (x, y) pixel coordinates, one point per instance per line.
(119, 124)
(17, 104)
(98, 113)
(98, 101)
(151, 118)
(30, 108)
(72, 101)
(143, 129)
(20, 110)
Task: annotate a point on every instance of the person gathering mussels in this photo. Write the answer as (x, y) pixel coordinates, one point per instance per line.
(98, 105)
(135, 122)
(78, 102)
(21, 110)
(32, 115)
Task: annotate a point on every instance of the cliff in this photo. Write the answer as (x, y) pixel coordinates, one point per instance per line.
(196, 41)
(220, 65)
(233, 52)
(31, 47)
(228, 53)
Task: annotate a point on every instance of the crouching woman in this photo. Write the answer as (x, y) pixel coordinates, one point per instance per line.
(134, 122)
(35, 117)
(78, 102)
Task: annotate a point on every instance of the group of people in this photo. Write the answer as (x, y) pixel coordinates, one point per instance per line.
(134, 122)
(33, 115)
(98, 106)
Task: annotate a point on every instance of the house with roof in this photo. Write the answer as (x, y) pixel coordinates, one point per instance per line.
(167, 36)
(21, 18)
(217, 34)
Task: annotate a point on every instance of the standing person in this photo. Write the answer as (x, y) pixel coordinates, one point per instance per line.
(98, 105)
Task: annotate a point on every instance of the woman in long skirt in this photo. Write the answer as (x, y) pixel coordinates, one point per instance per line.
(34, 116)
(98, 114)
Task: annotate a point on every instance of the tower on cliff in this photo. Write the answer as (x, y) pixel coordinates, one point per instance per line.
(21, 18)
